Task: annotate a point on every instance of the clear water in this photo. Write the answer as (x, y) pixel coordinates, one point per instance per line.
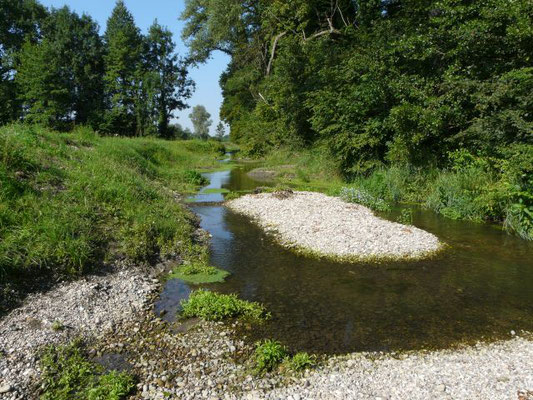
(479, 289)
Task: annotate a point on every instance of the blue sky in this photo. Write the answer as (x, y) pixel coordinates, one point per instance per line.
(167, 12)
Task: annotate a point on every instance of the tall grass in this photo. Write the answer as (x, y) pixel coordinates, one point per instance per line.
(70, 201)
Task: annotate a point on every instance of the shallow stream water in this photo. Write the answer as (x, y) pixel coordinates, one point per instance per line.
(480, 288)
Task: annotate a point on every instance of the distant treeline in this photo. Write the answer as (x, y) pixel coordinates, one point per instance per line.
(56, 70)
(375, 81)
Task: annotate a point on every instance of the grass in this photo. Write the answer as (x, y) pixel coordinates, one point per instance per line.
(69, 202)
(213, 306)
(68, 375)
(198, 273)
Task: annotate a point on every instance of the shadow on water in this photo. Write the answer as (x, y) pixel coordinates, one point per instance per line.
(481, 288)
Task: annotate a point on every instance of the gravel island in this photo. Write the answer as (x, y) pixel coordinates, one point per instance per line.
(329, 226)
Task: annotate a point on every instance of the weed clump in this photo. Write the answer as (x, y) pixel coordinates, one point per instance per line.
(68, 375)
(213, 306)
(268, 355)
(301, 361)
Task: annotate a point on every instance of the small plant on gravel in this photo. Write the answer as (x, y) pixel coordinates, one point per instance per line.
(268, 355)
(361, 196)
(213, 306)
(301, 361)
(406, 217)
(67, 375)
(57, 326)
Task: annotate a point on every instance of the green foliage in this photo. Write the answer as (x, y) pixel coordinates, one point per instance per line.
(301, 361)
(388, 88)
(70, 201)
(60, 77)
(360, 196)
(213, 306)
(199, 272)
(67, 374)
(268, 355)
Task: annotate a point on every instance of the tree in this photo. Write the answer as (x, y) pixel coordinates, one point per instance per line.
(20, 21)
(61, 75)
(166, 79)
(123, 71)
(201, 121)
(220, 131)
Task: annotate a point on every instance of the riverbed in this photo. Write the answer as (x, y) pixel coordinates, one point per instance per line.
(478, 289)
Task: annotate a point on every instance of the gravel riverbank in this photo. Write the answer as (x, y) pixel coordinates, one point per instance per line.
(329, 226)
(206, 360)
(497, 371)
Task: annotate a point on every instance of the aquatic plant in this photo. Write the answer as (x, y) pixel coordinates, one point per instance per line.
(268, 355)
(199, 272)
(213, 306)
(405, 217)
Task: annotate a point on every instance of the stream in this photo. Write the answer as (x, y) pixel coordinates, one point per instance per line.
(481, 288)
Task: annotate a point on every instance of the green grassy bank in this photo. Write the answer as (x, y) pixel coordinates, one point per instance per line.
(480, 189)
(68, 202)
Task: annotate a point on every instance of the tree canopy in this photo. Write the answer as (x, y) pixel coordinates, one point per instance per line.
(57, 70)
(374, 81)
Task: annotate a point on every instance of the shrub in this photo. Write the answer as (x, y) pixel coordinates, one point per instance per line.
(268, 355)
(68, 375)
(213, 306)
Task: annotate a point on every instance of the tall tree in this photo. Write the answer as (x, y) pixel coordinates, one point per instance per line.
(220, 131)
(61, 76)
(20, 21)
(201, 121)
(166, 79)
(122, 71)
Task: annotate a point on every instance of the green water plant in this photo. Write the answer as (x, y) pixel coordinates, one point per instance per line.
(268, 355)
(405, 217)
(67, 374)
(301, 361)
(212, 306)
(199, 272)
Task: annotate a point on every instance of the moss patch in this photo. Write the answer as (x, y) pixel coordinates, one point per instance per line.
(197, 273)
(214, 190)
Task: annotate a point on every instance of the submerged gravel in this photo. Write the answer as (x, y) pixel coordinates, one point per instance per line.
(206, 360)
(327, 225)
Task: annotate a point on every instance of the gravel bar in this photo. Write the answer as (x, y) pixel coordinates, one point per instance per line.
(497, 371)
(329, 226)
